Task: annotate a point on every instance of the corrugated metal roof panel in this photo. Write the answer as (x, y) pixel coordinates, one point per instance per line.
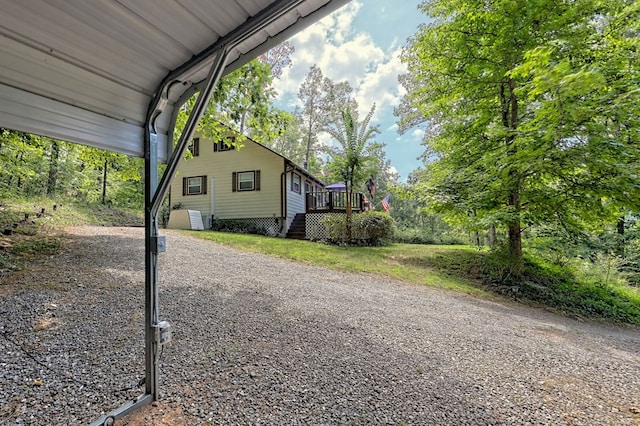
(86, 71)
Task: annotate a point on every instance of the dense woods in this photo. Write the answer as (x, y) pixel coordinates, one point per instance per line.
(33, 166)
(531, 111)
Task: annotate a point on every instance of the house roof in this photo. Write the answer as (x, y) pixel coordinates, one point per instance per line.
(88, 71)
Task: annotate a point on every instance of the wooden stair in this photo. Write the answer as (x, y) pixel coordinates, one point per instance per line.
(297, 230)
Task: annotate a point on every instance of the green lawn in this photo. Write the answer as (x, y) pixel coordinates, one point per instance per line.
(447, 267)
(463, 269)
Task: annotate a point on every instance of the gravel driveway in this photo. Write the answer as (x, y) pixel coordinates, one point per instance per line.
(259, 340)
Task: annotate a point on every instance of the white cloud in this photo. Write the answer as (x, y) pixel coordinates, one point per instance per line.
(380, 86)
(418, 133)
(344, 55)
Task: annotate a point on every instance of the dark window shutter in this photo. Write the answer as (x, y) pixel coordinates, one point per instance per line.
(234, 182)
(204, 184)
(196, 147)
(257, 183)
(215, 147)
(184, 186)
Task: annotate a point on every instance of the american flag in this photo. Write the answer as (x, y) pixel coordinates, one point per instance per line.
(385, 203)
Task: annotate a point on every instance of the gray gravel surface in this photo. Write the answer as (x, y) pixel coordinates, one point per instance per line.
(260, 340)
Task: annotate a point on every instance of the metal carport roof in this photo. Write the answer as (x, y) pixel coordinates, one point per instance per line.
(112, 73)
(87, 71)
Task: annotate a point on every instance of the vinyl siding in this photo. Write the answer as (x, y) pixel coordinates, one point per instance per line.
(295, 201)
(220, 166)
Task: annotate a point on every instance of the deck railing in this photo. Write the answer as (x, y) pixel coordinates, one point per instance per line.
(333, 201)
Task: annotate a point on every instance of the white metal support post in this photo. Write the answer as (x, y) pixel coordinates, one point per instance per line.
(154, 243)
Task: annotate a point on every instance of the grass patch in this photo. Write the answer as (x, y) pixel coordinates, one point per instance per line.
(462, 269)
(59, 213)
(406, 262)
(37, 245)
(562, 289)
(30, 227)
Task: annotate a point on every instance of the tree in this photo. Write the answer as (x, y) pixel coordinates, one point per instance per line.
(242, 98)
(503, 148)
(322, 102)
(110, 177)
(53, 168)
(289, 141)
(278, 58)
(351, 160)
(242, 102)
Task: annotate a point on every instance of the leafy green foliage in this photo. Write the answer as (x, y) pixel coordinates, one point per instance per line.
(368, 229)
(353, 160)
(532, 113)
(336, 226)
(237, 226)
(416, 235)
(377, 228)
(36, 166)
(583, 289)
(322, 102)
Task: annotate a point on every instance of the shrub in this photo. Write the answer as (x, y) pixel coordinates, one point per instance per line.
(336, 226)
(424, 236)
(375, 228)
(368, 229)
(237, 226)
(165, 212)
(414, 236)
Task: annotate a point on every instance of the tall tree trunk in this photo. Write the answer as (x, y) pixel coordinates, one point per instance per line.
(242, 122)
(308, 153)
(348, 211)
(515, 234)
(492, 236)
(52, 180)
(509, 103)
(620, 229)
(104, 183)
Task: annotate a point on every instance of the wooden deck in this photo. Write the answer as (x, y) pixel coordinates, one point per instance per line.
(333, 202)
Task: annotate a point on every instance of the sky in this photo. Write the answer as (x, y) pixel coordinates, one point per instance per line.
(361, 43)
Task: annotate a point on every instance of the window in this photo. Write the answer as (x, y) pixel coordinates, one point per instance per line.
(195, 185)
(194, 147)
(226, 144)
(295, 183)
(246, 181)
(307, 187)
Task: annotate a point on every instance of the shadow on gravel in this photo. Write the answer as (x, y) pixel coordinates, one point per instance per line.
(248, 358)
(106, 245)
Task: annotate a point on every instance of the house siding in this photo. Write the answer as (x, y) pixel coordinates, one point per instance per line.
(295, 201)
(220, 166)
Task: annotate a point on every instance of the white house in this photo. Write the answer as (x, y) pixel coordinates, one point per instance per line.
(252, 183)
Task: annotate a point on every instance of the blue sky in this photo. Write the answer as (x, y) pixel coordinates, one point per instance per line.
(361, 43)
